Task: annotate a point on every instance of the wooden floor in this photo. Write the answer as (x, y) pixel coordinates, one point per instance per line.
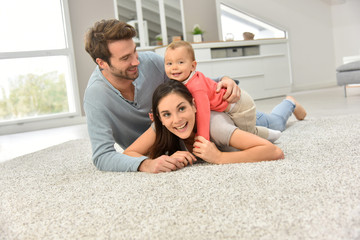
(324, 102)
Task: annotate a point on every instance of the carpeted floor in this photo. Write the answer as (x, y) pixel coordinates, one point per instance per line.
(314, 193)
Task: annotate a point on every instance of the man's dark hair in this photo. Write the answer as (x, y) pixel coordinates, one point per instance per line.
(103, 32)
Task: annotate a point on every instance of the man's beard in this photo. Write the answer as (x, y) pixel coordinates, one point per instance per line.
(123, 74)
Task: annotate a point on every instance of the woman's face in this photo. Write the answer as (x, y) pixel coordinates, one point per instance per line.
(177, 115)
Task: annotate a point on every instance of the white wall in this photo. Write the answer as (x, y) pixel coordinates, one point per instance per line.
(83, 14)
(202, 12)
(346, 29)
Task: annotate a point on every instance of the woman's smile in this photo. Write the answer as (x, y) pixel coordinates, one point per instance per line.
(181, 128)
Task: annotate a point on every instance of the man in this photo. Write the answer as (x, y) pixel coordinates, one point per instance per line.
(117, 100)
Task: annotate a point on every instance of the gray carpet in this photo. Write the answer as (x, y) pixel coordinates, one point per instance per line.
(314, 193)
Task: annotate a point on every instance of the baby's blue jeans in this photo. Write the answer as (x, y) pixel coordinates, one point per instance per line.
(278, 117)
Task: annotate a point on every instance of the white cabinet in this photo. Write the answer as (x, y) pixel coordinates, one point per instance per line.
(262, 67)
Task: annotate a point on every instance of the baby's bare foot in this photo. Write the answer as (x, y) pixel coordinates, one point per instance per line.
(299, 111)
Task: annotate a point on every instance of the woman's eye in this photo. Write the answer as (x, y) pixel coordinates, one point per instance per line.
(166, 114)
(181, 109)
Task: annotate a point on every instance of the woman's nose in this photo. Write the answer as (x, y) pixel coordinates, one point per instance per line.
(176, 118)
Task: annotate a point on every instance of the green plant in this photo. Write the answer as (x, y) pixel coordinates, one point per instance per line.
(197, 30)
(158, 37)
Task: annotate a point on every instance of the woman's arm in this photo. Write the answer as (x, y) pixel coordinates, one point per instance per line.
(163, 163)
(253, 149)
(142, 144)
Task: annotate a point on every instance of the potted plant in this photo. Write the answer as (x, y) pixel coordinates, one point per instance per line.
(197, 33)
(158, 39)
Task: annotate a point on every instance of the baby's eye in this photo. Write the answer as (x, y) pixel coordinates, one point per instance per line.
(169, 64)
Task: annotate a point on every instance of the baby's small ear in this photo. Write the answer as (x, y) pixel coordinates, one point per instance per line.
(193, 103)
(194, 63)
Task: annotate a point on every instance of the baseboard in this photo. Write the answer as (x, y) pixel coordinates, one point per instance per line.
(42, 124)
(315, 86)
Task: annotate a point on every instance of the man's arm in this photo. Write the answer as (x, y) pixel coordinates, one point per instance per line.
(105, 157)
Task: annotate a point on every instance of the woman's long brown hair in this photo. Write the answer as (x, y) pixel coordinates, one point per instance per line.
(165, 141)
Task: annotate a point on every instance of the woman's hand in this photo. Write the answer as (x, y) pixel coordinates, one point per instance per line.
(163, 163)
(206, 150)
(233, 92)
(184, 157)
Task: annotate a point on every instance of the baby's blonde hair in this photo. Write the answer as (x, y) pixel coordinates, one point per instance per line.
(187, 45)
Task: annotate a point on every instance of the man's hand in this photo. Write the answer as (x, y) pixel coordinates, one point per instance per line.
(163, 163)
(233, 91)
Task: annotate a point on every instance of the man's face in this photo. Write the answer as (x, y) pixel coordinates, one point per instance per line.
(124, 61)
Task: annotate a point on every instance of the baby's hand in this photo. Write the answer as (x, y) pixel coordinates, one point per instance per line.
(206, 150)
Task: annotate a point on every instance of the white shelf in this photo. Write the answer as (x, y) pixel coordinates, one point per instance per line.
(263, 75)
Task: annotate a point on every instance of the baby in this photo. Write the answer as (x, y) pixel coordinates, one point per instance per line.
(180, 65)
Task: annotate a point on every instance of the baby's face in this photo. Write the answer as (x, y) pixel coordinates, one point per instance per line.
(178, 64)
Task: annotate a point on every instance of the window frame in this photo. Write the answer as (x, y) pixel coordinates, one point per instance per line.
(162, 17)
(257, 20)
(57, 119)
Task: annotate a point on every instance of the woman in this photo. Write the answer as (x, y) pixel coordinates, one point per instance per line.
(175, 134)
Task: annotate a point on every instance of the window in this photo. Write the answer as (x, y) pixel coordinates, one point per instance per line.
(235, 23)
(36, 62)
(157, 22)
